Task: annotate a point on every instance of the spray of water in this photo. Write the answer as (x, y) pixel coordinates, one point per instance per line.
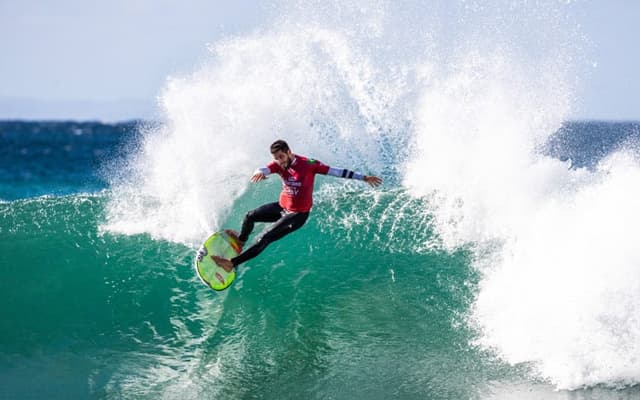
(555, 244)
(305, 85)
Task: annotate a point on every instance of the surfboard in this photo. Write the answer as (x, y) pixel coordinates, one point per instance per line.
(219, 244)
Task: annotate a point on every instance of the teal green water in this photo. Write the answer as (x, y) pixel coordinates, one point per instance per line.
(361, 303)
(318, 315)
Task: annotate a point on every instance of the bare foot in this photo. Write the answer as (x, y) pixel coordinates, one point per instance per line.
(227, 265)
(234, 235)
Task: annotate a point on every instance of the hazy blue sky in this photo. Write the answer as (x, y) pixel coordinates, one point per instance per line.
(79, 58)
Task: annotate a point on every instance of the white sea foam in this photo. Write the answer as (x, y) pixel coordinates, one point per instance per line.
(560, 280)
(565, 291)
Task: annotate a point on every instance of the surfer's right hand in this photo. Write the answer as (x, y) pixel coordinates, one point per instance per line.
(257, 177)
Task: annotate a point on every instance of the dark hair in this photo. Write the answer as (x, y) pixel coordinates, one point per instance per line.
(279, 145)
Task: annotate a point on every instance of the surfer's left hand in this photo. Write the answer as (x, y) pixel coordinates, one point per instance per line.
(373, 180)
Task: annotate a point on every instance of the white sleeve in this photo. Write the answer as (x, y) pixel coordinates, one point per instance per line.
(264, 170)
(345, 173)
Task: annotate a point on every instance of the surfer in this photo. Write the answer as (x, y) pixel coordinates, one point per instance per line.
(291, 212)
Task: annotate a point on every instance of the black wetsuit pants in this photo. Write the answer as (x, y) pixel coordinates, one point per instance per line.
(285, 223)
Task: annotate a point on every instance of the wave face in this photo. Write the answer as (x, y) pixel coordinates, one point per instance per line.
(497, 261)
(95, 314)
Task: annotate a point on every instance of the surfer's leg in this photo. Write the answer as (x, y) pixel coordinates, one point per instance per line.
(267, 213)
(285, 225)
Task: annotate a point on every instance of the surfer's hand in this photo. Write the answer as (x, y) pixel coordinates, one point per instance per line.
(373, 180)
(257, 177)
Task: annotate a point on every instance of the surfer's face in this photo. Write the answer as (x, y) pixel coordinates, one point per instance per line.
(283, 158)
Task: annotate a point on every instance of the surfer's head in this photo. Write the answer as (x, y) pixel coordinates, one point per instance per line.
(282, 153)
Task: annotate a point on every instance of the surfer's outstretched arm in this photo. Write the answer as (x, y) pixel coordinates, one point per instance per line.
(347, 174)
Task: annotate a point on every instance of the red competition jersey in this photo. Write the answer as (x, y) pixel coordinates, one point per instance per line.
(297, 182)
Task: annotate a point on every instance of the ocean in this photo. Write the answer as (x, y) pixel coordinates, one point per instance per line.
(363, 302)
(498, 260)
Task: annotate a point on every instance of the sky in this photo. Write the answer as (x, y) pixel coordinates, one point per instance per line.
(109, 60)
